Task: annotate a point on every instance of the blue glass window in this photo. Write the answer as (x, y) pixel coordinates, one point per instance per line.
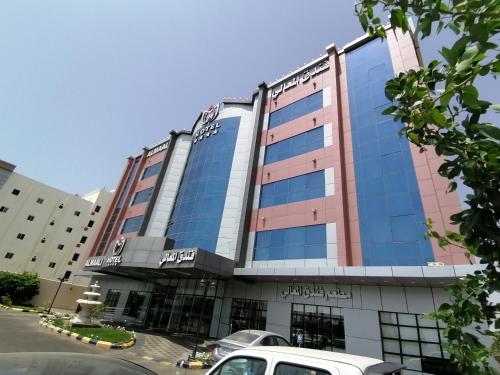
(142, 196)
(295, 189)
(132, 224)
(297, 109)
(291, 243)
(196, 217)
(152, 170)
(391, 213)
(296, 145)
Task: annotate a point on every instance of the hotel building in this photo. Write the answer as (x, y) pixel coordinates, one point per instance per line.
(299, 211)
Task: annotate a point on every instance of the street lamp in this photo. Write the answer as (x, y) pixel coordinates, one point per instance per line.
(61, 280)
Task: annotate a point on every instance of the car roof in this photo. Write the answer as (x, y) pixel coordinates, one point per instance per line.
(355, 360)
(258, 332)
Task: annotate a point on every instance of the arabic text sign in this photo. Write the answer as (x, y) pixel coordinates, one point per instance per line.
(315, 291)
(300, 78)
(177, 257)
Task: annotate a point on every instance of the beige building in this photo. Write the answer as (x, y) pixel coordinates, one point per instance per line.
(45, 230)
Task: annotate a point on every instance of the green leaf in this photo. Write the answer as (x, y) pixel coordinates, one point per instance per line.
(363, 19)
(397, 17)
(467, 58)
(490, 131)
(469, 96)
(496, 107)
(390, 110)
(478, 32)
(438, 117)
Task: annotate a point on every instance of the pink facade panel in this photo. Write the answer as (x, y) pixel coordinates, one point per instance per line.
(438, 204)
(302, 124)
(315, 84)
(306, 163)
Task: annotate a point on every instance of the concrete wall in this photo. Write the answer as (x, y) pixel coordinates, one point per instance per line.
(48, 227)
(66, 297)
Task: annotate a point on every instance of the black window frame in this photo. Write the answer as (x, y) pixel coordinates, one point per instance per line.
(60, 246)
(311, 368)
(83, 239)
(221, 365)
(67, 275)
(76, 213)
(112, 297)
(52, 266)
(97, 208)
(4, 209)
(75, 257)
(16, 192)
(254, 320)
(91, 223)
(69, 229)
(445, 362)
(20, 236)
(39, 200)
(9, 255)
(30, 218)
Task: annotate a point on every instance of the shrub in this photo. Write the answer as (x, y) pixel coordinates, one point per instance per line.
(20, 287)
(6, 300)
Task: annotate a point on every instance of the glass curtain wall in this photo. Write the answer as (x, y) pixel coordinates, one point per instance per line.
(183, 306)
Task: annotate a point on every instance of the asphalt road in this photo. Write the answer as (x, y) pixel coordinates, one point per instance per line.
(20, 332)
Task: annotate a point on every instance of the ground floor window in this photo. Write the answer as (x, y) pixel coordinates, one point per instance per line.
(317, 327)
(112, 298)
(135, 302)
(248, 314)
(416, 342)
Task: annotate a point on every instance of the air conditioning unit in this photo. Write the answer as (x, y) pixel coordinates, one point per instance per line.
(70, 263)
(86, 228)
(78, 245)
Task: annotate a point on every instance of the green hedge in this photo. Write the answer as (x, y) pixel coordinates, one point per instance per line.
(20, 287)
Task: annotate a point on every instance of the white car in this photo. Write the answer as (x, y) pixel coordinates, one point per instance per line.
(297, 361)
(244, 339)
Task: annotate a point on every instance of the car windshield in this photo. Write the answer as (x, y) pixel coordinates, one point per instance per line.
(245, 337)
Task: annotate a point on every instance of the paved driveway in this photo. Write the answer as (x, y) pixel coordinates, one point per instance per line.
(21, 332)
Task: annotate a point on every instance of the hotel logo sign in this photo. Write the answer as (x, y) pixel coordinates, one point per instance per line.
(210, 114)
(300, 78)
(206, 132)
(119, 245)
(157, 149)
(114, 260)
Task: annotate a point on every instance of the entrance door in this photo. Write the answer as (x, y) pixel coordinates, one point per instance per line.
(317, 327)
(155, 310)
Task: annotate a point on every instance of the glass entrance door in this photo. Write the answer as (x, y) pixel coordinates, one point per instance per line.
(155, 310)
(317, 327)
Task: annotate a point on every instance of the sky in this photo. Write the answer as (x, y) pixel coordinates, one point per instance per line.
(85, 84)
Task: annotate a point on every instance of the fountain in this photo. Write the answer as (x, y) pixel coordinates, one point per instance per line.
(89, 302)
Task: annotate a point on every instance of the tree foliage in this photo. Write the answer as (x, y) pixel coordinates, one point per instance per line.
(20, 287)
(442, 108)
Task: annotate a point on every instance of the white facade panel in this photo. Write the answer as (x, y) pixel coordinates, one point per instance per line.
(238, 179)
(168, 190)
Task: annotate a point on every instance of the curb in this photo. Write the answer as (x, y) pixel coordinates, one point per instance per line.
(88, 340)
(17, 309)
(193, 365)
